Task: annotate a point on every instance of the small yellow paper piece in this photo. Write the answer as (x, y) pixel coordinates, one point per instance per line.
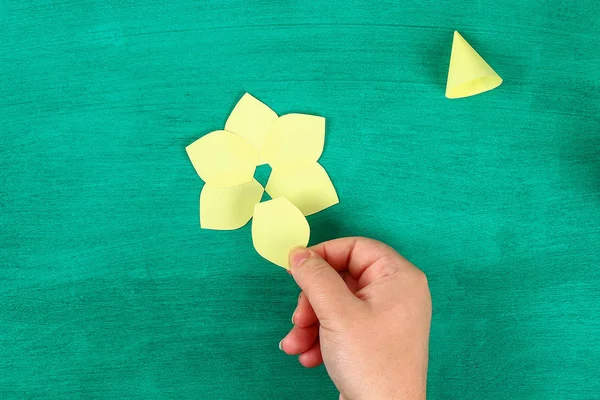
(223, 159)
(251, 119)
(277, 228)
(307, 186)
(468, 74)
(294, 138)
(230, 207)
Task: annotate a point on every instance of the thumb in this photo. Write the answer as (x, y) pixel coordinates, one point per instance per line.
(324, 287)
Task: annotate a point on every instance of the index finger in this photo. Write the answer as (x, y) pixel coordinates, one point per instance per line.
(357, 254)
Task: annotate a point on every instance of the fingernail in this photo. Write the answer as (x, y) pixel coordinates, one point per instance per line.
(280, 348)
(293, 315)
(298, 256)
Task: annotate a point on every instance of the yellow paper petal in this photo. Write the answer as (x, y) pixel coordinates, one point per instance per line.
(277, 228)
(294, 138)
(468, 74)
(251, 119)
(228, 208)
(223, 159)
(307, 186)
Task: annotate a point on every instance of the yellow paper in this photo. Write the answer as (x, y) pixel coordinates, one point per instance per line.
(228, 208)
(278, 227)
(307, 186)
(468, 74)
(223, 159)
(294, 138)
(251, 119)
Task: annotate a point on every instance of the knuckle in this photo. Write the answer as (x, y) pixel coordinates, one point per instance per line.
(420, 281)
(315, 269)
(420, 277)
(388, 267)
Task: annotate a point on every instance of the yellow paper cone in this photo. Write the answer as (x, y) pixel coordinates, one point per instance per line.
(468, 74)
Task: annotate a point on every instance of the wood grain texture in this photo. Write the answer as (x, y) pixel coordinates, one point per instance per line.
(109, 289)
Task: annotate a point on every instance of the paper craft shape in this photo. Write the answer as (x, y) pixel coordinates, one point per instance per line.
(468, 73)
(307, 186)
(226, 208)
(277, 227)
(226, 160)
(223, 159)
(251, 119)
(294, 139)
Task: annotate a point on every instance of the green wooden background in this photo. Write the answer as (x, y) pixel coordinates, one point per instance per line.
(109, 289)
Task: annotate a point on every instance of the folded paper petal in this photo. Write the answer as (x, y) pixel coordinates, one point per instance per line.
(294, 138)
(223, 159)
(468, 73)
(277, 227)
(251, 119)
(228, 208)
(307, 186)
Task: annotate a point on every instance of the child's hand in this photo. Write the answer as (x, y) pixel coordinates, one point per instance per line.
(365, 312)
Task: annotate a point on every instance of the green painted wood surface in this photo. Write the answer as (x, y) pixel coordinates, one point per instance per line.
(109, 289)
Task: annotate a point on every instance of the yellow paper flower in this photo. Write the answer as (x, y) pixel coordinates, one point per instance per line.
(226, 160)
